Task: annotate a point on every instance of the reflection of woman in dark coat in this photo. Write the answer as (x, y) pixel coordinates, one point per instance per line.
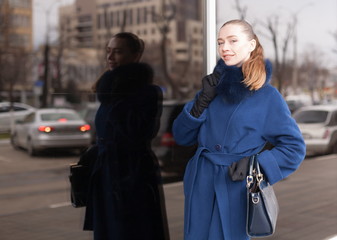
(125, 198)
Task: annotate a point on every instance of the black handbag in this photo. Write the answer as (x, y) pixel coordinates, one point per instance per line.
(79, 177)
(79, 184)
(262, 205)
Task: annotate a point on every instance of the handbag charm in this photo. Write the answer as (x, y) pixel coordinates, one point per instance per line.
(262, 205)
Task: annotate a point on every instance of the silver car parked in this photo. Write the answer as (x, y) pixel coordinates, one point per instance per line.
(8, 115)
(51, 128)
(318, 125)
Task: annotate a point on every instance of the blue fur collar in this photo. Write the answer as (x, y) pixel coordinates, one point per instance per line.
(231, 77)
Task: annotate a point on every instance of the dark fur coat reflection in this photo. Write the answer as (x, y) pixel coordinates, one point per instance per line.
(126, 199)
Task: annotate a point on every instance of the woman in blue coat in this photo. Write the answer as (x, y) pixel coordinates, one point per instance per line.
(234, 116)
(125, 200)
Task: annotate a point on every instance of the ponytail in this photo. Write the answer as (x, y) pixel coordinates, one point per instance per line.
(254, 70)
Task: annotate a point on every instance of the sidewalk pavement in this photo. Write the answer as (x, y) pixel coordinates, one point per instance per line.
(308, 210)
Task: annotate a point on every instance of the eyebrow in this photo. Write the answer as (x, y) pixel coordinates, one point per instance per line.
(231, 36)
(114, 48)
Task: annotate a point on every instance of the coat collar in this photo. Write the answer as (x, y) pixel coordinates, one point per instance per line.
(230, 85)
(123, 81)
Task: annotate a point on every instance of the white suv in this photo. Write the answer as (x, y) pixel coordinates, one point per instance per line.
(318, 125)
(20, 110)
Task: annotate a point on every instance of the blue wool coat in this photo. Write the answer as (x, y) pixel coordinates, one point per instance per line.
(236, 124)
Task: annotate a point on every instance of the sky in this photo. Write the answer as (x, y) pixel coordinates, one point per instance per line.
(42, 9)
(317, 20)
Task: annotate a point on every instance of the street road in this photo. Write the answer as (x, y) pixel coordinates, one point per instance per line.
(28, 183)
(34, 199)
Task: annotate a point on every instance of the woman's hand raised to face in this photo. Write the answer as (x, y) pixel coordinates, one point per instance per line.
(209, 83)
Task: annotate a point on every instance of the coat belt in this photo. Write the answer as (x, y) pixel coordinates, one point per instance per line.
(222, 159)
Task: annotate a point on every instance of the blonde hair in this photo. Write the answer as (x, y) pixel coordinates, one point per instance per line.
(254, 70)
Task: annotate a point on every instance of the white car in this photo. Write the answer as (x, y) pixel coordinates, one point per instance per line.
(51, 128)
(19, 111)
(318, 125)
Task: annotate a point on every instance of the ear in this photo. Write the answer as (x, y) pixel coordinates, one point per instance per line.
(252, 45)
(138, 57)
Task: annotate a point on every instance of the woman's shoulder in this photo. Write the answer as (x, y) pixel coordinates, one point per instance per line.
(269, 94)
(151, 92)
(268, 89)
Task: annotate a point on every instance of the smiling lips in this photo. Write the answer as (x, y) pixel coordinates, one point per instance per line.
(112, 65)
(227, 56)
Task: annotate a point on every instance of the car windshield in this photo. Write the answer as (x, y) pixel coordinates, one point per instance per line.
(59, 117)
(312, 116)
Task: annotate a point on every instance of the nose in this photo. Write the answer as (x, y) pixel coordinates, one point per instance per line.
(110, 55)
(224, 46)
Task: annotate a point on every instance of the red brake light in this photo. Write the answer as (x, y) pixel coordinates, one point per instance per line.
(167, 140)
(45, 129)
(62, 120)
(326, 134)
(85, 128)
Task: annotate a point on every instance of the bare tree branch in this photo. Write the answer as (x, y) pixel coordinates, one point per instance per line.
(242, 10)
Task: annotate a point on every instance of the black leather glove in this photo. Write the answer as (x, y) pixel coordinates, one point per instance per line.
(208, 92)
(238, 170)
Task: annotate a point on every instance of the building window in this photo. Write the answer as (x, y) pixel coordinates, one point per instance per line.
(153, 13)
(125, 17)
(20, 3)
(20, 21)
(99, 21)
(130, 16)
(145, 14)
(181, 31)
(111, 19)
(138, 16)
(84, 18)
(105, 21)
(118, 20)
(19, 40)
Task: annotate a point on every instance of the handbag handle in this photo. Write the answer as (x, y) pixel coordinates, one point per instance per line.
(254, 171)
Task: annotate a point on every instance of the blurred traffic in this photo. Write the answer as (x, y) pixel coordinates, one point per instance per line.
(11, 112)
(318, 125)
(36, 130)
(51, 128)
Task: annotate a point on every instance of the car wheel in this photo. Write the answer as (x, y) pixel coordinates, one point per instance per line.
(30, 148)
(333, 145)
(334, 148)
(14, 141)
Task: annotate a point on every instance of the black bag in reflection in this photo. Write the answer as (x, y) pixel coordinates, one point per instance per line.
(80, 176)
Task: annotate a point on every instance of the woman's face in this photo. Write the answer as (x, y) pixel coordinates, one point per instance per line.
(119, 53)
(234, 47)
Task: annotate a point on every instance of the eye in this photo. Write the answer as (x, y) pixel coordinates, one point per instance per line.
(220, 43)
(233, 40)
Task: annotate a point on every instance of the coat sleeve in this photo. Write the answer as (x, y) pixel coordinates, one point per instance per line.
(186, 127)
(281, 130)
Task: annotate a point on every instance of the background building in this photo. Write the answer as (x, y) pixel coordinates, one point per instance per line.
(172, 31)
(16, 45)
(16, 24)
